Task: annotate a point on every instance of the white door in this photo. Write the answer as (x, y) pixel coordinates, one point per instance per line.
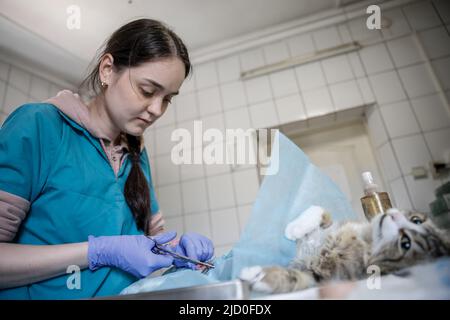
(342, 153)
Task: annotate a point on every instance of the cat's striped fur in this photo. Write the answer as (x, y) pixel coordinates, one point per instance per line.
(332, 251)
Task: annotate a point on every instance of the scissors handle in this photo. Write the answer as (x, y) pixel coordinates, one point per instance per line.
(160, 249)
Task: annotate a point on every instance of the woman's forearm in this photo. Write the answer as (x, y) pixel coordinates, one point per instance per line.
(25, 264)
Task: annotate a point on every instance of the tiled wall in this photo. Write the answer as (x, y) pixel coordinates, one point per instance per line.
(407, 115)
(407, 118)
(19, 86)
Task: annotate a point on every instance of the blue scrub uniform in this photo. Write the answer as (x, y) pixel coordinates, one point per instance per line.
(57, 165)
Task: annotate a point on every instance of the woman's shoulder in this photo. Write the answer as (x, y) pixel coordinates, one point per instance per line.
(31, 115)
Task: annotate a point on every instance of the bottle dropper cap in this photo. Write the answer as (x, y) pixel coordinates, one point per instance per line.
(369, 185)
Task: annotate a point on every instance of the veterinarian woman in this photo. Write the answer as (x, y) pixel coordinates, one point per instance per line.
(75, 182)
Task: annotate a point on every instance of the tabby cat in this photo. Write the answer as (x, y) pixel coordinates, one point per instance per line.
(344, 251)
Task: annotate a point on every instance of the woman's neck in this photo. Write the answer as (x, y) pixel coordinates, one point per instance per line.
(100, 118)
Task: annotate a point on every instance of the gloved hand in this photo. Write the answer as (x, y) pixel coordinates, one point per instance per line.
(130, 253)
(194, 246)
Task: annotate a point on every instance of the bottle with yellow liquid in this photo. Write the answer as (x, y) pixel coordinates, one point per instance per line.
(374, 202)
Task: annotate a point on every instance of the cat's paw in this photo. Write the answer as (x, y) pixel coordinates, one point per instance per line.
(255, 275)
(309, 220)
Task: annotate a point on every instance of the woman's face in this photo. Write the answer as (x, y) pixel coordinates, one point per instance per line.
(136, 97)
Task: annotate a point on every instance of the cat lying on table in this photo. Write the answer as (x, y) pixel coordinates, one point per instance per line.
(344, 251)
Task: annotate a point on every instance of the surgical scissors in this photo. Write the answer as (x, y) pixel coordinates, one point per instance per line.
(160, 249)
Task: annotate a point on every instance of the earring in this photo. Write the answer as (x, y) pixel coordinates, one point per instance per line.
(104, 84)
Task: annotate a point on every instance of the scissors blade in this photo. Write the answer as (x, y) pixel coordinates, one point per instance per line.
(180, 256)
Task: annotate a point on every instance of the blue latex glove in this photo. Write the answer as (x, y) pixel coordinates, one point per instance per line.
(194, 246)
(130, 253)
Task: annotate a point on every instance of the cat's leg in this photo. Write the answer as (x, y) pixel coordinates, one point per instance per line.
(277, 279)
(311, 219)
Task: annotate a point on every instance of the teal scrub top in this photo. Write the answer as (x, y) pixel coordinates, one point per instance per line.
(57, 165)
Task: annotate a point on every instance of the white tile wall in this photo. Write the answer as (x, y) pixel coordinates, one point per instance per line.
(2, 93)
(346, 95)
(439, 142)
(246, 185)
(229, 69)
(310, 76)
(194, 196)
(417, 80)
(244, 213)
(199, 223)
(220, 192)
(400, 27)
(387, 87)
(411, 152)
(337, 69)
(186, 107)
(389, 162)
(13, 99)
(431, 112)
(421, 192)
(188, 84)
(399, 194)
(376, 58)
(252, 59)
(366, 91)
(206, 75)
(276, 52)
(209, 101)
(192, 171)
(399, 119)
(290, 108)
(174, 224)
(318, 102)
(149, 141)
(441, 67)
(436, 42)
(169, 199)
(3, 117)
(357, 67)
(421, 15)
(344, 33)
(168, 117)
(216, 121)
(376, 127)
(39, 89)
(404, 51)
(360, 32)
(20, 79)
(264, 115)
(225, 226)
(233, 95)
(4, 70)
(164, 144)
(258, 89)
(326, 38)
(443, 7)
(237, 118)
(167, 172)
(283, 83)
(301, 45)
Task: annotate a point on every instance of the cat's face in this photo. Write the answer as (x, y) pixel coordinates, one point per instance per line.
(403, 238)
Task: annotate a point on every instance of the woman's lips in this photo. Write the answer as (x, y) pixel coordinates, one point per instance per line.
(146, 121)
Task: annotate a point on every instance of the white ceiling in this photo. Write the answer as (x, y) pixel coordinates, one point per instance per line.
(201, 23)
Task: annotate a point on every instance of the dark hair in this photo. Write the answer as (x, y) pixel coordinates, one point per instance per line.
(133, 44)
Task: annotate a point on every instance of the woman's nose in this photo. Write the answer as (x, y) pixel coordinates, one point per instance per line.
(155, 108)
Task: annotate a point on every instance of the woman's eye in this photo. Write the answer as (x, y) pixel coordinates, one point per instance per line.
(405, 242)
(147, 94)
(416, 220)
(168, 100)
